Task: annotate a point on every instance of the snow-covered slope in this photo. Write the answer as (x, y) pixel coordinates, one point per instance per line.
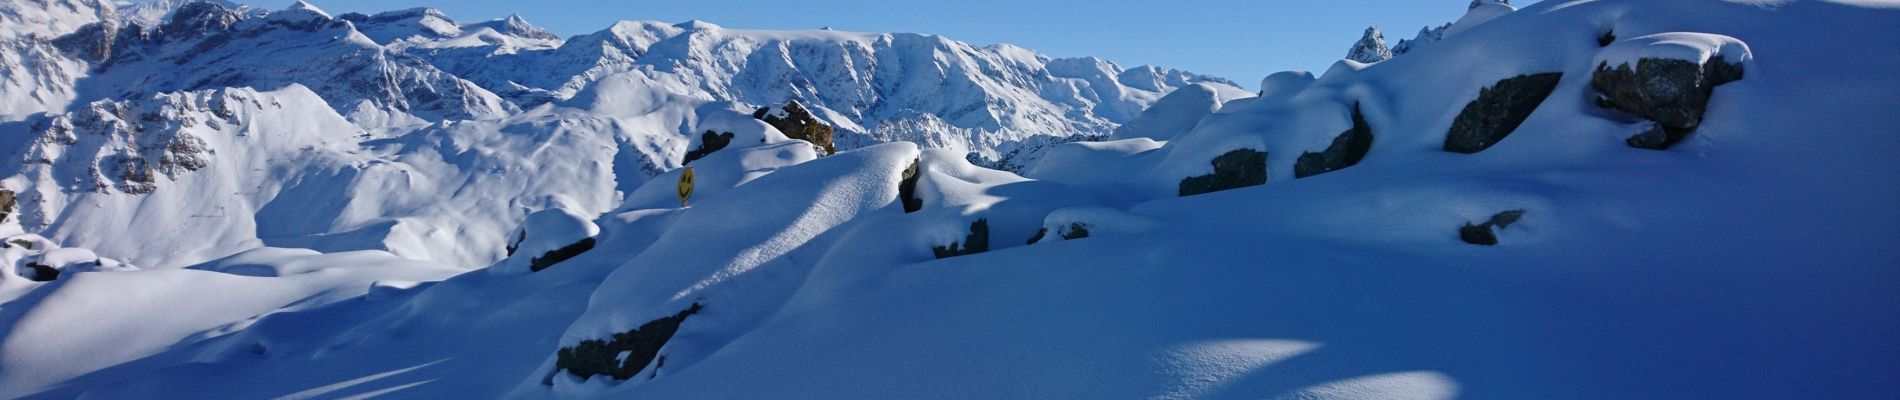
(35, 76)
(1698, 207)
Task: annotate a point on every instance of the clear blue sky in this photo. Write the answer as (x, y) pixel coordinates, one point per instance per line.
(1242, 40)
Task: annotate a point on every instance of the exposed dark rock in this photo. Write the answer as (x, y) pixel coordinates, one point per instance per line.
(1482, 234)
(1076, 231)
(1604, 39)
(1040, 233)
(135, 175)
(977, 242)
(1657, 137)
(709, 142)
(7, 202)
(1673, 93)
(798, 123)
(41, 272)
(1235, 169)
(197, 19)
(602, 356)
(558, 255)
(94, 42)
(515, 244)
(1498, 111)
(907, 188)
(1347, 149)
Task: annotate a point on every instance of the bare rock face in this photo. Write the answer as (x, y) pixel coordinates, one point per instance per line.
(1347, 150)
(1498, 111)
(1673, 93)
(1232, 170)
(797, 123)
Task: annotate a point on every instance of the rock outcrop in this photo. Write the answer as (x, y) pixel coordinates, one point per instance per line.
(1498, 111)
(1371, 48)
(1667, 78)
(1347, 150)
(709, 142)
(796, 122)
(1232, 170)
(625, 354)
(907, 188)
(556, 256)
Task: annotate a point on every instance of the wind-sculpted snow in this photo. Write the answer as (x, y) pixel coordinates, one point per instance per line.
(1752, 259)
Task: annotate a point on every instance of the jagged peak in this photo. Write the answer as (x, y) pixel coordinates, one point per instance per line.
(1370, 48)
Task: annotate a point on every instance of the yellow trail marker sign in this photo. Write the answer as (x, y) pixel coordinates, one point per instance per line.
(686, 185)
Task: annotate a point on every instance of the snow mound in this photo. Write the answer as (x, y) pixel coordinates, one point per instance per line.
(545, 236)
(1178, 112)
(1285, 83)
(1696, 48)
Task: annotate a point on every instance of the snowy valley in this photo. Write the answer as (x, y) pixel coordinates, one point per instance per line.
(1572, 199)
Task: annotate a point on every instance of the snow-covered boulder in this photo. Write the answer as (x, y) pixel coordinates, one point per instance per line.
(1081, 222)
(1667, 78)
(1283, 84)
(546, 238)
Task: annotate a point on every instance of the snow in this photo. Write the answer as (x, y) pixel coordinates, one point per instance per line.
(543, 232)
(1752, 260)
(1697, 48)
(1179, 111)
(47, 19)
(1285, 83)
(1479, 14)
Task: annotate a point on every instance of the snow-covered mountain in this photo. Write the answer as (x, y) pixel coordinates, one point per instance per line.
(875, 88)
(633, 96)
(1578, 199)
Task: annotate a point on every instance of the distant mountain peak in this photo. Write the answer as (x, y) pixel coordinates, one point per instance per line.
(1371, 47)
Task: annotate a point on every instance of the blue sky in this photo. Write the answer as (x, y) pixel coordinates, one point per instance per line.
(1242, 40)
